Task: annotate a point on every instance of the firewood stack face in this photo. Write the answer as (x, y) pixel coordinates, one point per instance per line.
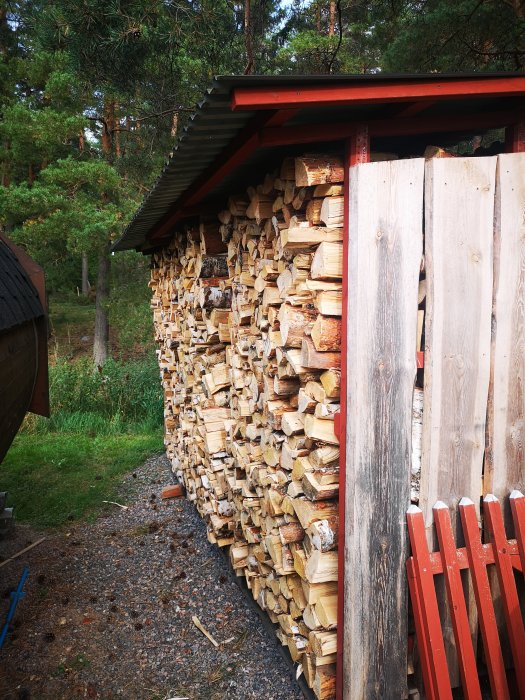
(249, 352)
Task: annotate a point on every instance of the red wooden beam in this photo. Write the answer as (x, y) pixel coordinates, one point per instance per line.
(241, 147)
(268, 130)
(373, 91)
(337, 131)
(357, 151)
(414, 108)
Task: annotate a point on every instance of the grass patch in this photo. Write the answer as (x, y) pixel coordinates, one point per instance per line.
(70, 321)
(53, 478)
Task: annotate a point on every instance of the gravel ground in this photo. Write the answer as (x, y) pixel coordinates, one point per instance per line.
(109, 605)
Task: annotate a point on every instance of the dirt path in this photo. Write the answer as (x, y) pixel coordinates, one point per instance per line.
(109, 606)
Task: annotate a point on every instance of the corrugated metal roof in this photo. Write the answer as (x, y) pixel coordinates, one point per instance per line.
(214, 125)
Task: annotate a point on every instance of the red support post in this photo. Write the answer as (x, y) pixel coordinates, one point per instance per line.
(515, 138)
(357, 151)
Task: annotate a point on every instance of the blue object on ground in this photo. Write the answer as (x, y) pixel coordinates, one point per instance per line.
(15, 597)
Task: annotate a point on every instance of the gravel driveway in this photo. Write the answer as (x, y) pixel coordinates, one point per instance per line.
(109, 607)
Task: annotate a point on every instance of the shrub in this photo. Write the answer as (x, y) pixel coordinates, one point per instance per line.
(120, 397)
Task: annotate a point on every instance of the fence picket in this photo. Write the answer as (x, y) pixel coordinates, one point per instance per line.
(421, 630)
(509, 593)
(456, 603)
(482, 592)
(517, 506)
(427, 601)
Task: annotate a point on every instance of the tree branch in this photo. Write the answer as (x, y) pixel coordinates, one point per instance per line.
(459, 30)
(178, 108)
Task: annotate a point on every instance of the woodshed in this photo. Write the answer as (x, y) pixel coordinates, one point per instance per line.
(334, 327)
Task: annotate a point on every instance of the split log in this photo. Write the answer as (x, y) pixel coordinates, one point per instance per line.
(326, 333)
(327, 263)
(318, 170)
(332, 211)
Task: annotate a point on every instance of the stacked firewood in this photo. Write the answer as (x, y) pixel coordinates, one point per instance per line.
(249, 351)
(191, 308)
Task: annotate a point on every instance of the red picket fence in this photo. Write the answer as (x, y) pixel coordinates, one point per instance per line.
(507, 556)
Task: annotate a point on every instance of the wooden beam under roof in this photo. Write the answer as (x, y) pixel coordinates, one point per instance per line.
(235, 153)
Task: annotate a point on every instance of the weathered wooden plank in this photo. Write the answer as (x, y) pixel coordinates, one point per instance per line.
(505, 454)
(385, 246)
(459, 208)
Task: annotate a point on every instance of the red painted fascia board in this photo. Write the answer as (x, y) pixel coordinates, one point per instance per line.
(242, 146)
(263, 97)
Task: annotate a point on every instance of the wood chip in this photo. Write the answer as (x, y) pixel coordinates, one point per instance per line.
(200, 627)
(114, 503)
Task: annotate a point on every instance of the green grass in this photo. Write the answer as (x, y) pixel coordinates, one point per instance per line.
(103, 423)
(53, 478)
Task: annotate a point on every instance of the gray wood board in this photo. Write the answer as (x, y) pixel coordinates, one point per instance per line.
(505, 452)
(505, 457)
(459, 210)
(385, 248)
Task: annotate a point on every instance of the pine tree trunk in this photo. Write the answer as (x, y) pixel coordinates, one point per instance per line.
(248, 38)
(85, 275)
(174, 124)
(331, 22)
(101, 340)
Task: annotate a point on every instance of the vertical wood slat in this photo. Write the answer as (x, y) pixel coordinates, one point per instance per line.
(505, 453)
(436, 675)
(357, 151)
(509, 593)
(385, 247)
(482, 592)
(459, 208)
(456, 601)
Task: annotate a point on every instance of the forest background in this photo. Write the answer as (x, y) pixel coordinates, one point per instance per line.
(93, 96)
